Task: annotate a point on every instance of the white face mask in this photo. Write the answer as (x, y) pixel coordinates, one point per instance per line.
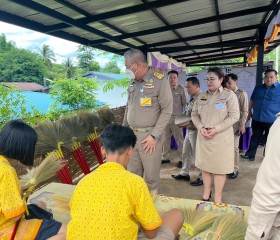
(129, 73)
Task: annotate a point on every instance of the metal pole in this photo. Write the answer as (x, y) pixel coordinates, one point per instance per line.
(260, 57)
(277, 58)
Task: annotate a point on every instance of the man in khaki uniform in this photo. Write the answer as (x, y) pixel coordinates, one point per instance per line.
(238, 127)
(179, 103)
(193, 88)
(149, 108)
(264, 218)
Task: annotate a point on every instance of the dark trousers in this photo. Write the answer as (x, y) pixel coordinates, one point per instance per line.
(260, 131)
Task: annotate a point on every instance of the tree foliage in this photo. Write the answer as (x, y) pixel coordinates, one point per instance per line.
(69, 68)
(111, 67)
(19, 65)
(47, 55)
(13, 106)
(76, 93)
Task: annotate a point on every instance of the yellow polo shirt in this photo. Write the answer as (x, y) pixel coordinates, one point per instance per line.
(109, 203)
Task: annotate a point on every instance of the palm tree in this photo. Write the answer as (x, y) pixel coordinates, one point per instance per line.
(47, 55)
(69, 67)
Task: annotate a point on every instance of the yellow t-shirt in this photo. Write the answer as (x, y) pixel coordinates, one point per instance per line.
(109, 203)
(11, 206)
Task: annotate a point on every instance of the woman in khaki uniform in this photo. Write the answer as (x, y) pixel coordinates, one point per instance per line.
(214, 113)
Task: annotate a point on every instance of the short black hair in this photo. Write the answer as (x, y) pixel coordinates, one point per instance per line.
(18, 141)
(173, 71)
(117, 138)
(270, 70)
(194, 81)
(233, 76)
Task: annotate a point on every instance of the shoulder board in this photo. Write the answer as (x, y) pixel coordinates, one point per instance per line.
(227, 89)
(158, 73)
(240, 90)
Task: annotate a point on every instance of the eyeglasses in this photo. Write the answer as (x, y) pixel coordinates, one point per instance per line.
(211, 80)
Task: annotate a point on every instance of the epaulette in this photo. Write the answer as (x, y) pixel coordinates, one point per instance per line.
(158, 73)
(227, 89)
(240, 90)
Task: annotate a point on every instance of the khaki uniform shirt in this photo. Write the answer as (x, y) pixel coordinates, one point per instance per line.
(189, 108)
(149, 103)
(219, 110)
(243, 106)
(179, 100)
(264, 217)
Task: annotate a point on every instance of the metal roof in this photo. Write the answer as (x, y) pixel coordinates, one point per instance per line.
(191, 31)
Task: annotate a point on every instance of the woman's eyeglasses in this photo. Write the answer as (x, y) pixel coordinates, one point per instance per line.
(211, 80)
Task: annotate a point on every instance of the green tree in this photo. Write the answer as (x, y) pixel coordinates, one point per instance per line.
(85, 56)
(4, 44)
(76, 93)
(13, 106)
(94, 66)
(69, 68)
(21, 65)
(47, 55)
(111, 67)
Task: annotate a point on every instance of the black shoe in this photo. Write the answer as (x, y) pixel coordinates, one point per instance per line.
(165, 161)
(233, 175)
(181, 177)
(248, 157)
(207, 200)
(179, 164)
(197, 182)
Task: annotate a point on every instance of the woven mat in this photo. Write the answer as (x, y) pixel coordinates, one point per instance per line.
(163, 203)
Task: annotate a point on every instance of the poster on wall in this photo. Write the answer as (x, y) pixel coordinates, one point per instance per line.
(246, 78)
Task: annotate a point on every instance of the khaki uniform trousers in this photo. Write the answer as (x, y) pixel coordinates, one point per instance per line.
(188, 155)
(145, 164)
(172, 129)
(236, 152)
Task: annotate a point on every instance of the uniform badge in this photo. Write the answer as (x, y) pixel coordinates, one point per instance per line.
(141, 90)
(145, 102)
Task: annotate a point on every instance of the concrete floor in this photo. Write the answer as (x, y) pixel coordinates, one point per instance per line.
(236, 191)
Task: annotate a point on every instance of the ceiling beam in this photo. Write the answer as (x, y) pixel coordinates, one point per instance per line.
(200, 21)
(117, 13)
(182, 56)
(155, 11)
(87, 14)
(72, 22)
(25, 23)
(216, 4)
(242, 42)
(215, 64)
(216, 58)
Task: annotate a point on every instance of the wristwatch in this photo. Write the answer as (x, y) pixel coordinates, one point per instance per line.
(155, 137)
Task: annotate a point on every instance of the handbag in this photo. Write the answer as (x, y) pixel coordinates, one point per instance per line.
(182, 121)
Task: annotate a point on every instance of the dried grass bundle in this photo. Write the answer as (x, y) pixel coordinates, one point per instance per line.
(61, 202)
(196, 222)
(228, 227)
(106, 115)
(50, 134)
(89, 121)
(46, 169)
(76, 127)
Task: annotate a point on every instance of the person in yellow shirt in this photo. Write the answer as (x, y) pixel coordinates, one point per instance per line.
(17, 141)
(111, 202)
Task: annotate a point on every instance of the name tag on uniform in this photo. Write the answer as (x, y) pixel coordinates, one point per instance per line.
(219, 105)
(145, 102)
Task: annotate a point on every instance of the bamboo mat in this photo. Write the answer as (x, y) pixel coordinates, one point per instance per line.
(162, 202)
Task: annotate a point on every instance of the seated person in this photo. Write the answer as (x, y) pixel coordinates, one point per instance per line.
(111, 202)
(17, 141)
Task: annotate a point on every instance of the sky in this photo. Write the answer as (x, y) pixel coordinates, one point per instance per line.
(28, 39)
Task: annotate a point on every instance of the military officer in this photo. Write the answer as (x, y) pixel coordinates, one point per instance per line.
(179, 103)
(238, 127)
(148, 110)
(264, 218)
(193, 88)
